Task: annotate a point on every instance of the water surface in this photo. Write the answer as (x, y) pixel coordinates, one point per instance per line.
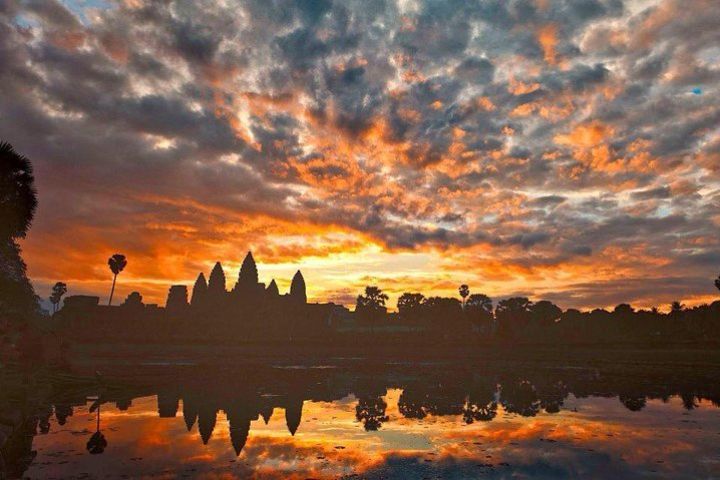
(385, 421)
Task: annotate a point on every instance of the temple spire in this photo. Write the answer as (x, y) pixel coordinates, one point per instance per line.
(199, 292)
(297, 288)
(272, 289)
(248, 271)
(293, 415)
(216, 284)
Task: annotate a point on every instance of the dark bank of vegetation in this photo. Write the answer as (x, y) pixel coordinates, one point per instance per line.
(519, 320)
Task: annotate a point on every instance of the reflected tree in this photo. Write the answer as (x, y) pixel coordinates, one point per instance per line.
(370, 410)
(689, 401)
(97, 443)
(521, 398)
(412, 403)
(481, 405)
(634, 403)
(553, 397)
(62, 412)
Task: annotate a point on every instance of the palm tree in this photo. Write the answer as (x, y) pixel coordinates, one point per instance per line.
(18, 202)
(676, 307)
(117, 264)
(371, 305)
(374, 298)
(464, 292)
(18, 199)
(409, 303)
(58, 290)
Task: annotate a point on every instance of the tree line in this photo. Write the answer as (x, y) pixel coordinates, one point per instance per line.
(520, 319)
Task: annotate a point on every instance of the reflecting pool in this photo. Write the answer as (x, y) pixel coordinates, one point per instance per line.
(351, 420)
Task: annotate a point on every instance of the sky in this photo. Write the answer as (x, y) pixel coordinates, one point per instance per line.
(562, 150)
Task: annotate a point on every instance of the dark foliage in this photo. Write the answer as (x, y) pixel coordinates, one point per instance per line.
(18, 202)
(18, 199)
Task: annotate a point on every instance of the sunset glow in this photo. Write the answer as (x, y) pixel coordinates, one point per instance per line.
(558, 150)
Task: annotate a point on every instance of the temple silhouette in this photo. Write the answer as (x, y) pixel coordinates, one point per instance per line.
(249, 310)
(216, 311)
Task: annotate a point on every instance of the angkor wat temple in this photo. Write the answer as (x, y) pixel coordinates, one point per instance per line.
(247, 298)
(248, 311)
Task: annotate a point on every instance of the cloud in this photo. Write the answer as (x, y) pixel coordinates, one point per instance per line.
(536, 141)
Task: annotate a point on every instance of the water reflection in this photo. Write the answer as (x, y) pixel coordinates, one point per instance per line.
(378, 422)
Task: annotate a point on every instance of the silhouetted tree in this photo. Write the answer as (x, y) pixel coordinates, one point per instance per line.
(464, 291)
(409, 304)
(512, 315)
(676, 309)
(544, 313)
(18, 198)
(479, 310)
(371, 306)
(717, 282)
(623, 309)
(117, 264)
(58, 290)
(134, 300)
(445, 315)
(18, 202)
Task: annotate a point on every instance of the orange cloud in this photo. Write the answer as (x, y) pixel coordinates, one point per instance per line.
(547, 37)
